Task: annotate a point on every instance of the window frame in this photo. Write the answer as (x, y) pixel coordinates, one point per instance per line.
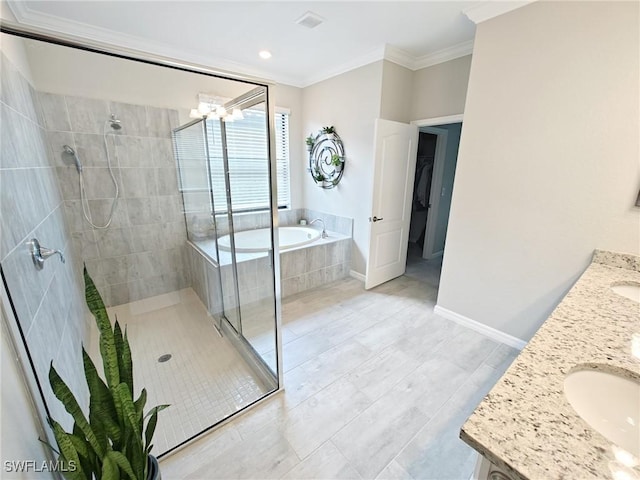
(283, 168)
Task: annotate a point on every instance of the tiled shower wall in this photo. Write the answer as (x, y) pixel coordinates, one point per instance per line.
(50, 302)
(142, 253)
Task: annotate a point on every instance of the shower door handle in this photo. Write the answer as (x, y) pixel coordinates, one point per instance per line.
(39, 253)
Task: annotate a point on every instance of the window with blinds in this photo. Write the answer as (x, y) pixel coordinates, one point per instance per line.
(248, 156)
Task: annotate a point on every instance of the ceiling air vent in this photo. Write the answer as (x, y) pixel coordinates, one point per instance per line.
(310, 20)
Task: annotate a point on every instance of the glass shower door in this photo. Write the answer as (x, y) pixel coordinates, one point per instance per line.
(245, 142)
(191, 152)
(226, 182)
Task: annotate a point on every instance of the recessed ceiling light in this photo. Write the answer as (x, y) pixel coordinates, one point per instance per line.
(264, 54)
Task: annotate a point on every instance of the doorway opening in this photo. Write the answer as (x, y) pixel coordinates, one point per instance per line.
(433, 185)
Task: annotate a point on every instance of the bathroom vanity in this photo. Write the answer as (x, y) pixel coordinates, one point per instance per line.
(569, 405)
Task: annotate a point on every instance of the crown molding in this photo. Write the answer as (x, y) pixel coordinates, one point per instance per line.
(397, 56)
(370, 57)
(487, 10)
(404, 59)
(57, 25)
(400, 57)
(451, 53)
(53, 24)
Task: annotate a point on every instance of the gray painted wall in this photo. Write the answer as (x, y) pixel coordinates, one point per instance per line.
(351, 103)
(441, 89)
(548, 166)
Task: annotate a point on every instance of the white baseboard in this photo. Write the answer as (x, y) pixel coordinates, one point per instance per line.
(357, 276)
(481, 328)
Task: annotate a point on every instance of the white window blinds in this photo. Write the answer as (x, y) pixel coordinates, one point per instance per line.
(249, 162)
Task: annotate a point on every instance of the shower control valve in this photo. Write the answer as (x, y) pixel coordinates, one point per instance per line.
(39, 253)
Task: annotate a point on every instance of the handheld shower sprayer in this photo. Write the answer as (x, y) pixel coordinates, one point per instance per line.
(70, 151)
(115, 125)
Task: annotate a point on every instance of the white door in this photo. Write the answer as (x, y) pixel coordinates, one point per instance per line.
(396, 147)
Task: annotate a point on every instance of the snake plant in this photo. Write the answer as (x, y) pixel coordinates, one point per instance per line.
(112, 442)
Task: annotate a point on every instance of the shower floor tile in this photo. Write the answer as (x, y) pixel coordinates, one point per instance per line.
(204, 381)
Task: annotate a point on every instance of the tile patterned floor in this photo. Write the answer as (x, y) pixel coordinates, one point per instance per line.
(205, 380)
(377, 386)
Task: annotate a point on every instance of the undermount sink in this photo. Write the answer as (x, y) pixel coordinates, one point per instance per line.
(609, 403)
(631, 291)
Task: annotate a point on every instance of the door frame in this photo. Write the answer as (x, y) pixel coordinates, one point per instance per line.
(438, 170)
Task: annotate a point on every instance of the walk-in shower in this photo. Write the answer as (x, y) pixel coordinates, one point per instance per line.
(109, 178)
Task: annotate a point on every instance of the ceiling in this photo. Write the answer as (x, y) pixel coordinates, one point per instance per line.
(229, 34)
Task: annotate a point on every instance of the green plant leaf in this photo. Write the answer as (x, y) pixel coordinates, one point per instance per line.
(128, 407)
(70, 403)
(117, 403)
(157, 408)
(68, 452)
(110, 469)
(102, 412)
(117, 337)
(135, 455)
(80, 442)
(107, 341)
(140, 402)
(126, 363)
(151, 425)
(122, 463)
(150, 430)
(85, 452)
(132, 426)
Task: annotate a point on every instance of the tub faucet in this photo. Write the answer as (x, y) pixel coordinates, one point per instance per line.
(324, 231)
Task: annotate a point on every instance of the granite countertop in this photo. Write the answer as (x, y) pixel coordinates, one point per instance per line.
(525, 425)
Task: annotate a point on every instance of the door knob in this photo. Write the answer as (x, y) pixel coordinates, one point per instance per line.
(375, 219)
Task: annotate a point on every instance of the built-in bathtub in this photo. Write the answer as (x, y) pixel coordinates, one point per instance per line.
(305, 263)
(259, 240)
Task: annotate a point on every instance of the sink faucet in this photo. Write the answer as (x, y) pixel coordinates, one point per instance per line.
(324, 231)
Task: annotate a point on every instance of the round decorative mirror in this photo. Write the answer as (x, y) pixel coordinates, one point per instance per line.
(326, 158)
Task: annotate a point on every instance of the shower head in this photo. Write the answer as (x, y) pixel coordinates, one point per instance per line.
(114, 122)
(71, 152)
